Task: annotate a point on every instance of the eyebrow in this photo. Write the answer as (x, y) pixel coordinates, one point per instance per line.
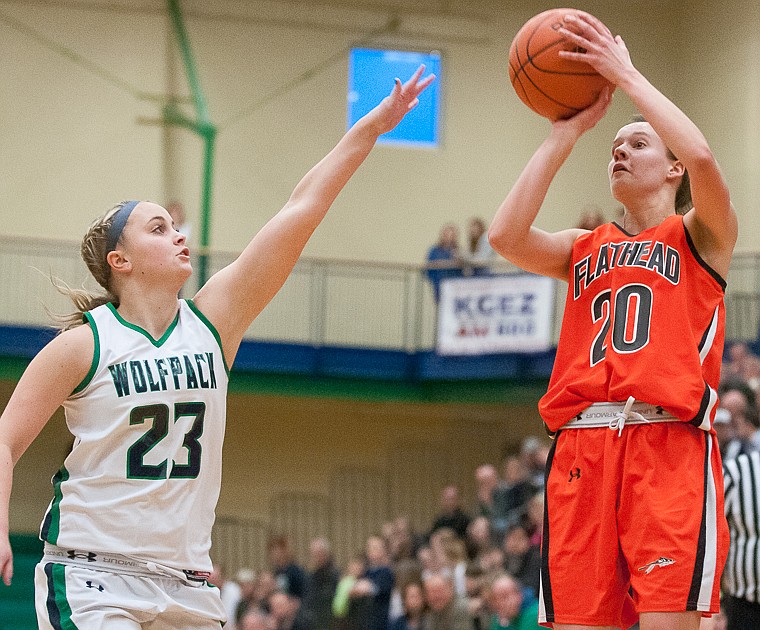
(619, 139)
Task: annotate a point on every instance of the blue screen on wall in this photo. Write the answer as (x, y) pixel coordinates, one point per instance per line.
(370, 79)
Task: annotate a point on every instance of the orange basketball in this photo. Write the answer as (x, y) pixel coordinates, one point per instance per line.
(551, 86)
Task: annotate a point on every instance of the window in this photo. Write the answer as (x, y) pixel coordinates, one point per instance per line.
(370, 78)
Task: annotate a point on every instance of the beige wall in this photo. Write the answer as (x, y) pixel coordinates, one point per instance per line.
(72, 144)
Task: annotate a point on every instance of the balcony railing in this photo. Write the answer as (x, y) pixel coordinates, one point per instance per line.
(323, 302)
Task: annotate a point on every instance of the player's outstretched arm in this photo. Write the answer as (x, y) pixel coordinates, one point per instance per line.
(50, 378)
(512, 233)
(236, 295)
(712, 224)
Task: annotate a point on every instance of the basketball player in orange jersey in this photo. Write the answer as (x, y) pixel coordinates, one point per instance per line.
(634, 521)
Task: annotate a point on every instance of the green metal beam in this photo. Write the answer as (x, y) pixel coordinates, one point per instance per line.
(202, 126)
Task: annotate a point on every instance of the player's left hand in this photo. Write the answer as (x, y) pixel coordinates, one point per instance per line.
(603, 51)
(401, 100)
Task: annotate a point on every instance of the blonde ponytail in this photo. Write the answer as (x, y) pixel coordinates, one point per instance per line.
(94, 253)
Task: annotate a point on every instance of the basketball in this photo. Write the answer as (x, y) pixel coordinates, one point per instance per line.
(551, 86)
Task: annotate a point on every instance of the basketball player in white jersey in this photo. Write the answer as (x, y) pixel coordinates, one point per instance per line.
(142, 377)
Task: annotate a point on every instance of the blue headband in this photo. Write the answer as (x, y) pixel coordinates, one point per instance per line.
(119, 220)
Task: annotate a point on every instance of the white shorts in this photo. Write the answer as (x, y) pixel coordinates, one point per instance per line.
(69, 596)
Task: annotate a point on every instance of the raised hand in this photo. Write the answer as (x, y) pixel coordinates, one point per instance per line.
(401, 100)
(605, 53)
(587, 118)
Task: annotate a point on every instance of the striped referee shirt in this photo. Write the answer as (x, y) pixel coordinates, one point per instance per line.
(741, 577)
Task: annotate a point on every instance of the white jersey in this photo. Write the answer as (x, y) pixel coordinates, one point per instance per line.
(144, 473)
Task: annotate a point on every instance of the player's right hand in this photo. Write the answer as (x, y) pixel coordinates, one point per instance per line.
(6, 560)
(586, 119)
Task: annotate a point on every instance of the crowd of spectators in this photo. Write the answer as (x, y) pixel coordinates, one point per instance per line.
(447, 259)
(473, 568)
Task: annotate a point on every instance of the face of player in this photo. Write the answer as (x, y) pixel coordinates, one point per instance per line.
(153, 247)
(640, 163)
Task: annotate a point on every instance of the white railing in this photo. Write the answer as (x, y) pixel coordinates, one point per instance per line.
(323, 302)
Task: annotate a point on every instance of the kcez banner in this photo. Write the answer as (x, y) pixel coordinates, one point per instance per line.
(495, 314)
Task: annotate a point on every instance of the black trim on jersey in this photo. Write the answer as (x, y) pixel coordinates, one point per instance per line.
(707, 332)
(546, 584)
(702, 262)
(54, 614)
(699, 418)
(699, 563)
(623, 230)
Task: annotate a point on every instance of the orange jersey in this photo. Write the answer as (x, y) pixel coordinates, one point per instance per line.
(644, 317)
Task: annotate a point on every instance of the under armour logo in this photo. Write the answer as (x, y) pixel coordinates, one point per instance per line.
(575, 473)
(89, 584)
(662, 561)
(90, 556)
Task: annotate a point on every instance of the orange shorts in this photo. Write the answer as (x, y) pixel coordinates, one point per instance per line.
(632, 523)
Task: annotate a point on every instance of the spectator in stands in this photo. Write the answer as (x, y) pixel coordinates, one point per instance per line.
(286, 612)
(229, 591)
(724, 431)
(378, 582)
(752, 372)
(248, 598)
(446, 611)
(321, 584)
(414, 608)
(350, 607)
(522, 560)
(534, 453)
(506, 606)
(479, 250)
(451, 514)
(486, 481)
(492, 561)
(444, 259)
(534, 518)
(405, 570)
(254, 620)
(511, 497)
(739, 400)
(452, 555)
(404, 542)
(290, 577)
(479, 538)
(475, 578)
(735, 368)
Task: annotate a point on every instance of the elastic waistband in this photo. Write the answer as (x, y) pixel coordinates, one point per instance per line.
(118, 563)
(604, 414)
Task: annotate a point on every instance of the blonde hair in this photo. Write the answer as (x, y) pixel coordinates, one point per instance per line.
(93, 250)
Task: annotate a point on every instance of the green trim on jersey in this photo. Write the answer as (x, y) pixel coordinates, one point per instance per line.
(95, 356)
(211, 327)
(53, 518)
(156, 342)
(57, 583)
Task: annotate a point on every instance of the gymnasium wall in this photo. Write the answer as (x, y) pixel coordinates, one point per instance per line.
(79, 134)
